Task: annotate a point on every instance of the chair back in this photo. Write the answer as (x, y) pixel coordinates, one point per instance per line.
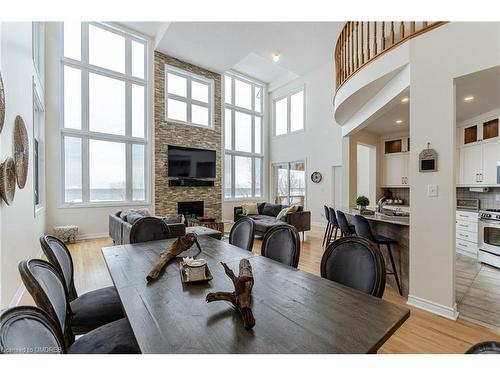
(327, 213)
(29, 330)
(363, 228)
(45, 285)
(357, 263)
(242, 233)
(332, 217)
(282, 244)
(343, 223)
(148, 228)
(487, 347)
(59, 256)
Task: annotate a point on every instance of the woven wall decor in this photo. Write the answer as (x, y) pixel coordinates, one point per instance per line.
(8, 180)
(2, 103)
(21, 151)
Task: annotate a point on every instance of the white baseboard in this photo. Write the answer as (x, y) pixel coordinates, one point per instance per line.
(435, 308)
(91, 236)
(16, 299)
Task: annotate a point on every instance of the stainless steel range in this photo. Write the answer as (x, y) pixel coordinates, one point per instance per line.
(489, 237)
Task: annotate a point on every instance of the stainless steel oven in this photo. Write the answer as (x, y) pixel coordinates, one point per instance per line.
(489, 237)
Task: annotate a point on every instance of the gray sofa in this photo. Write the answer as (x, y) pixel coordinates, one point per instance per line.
(121, 222)
(268, 212)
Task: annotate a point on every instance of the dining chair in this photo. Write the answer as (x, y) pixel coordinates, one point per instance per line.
(282, 244)
(355, 262)
(45, 285)
(346, 229)
(90, 310)
(334, 225)
(242, 233)
(148, 228)
(364, 230)
(328, 225)
(487, 347)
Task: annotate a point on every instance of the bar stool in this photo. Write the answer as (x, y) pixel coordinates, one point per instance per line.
(328, 225)
(346, 229)
(363, 229)
(335, 225)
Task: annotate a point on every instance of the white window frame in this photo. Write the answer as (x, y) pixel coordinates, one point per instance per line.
(232, 152)
(86, 135)
(188, 99)
(288, 97)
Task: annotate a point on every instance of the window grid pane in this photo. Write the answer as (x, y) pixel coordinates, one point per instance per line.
(177, 110)
(199, 91)
(138, 53)
(228, 192)
(281, 116)
(228, 121)
(138, 173)
(243, 176)
(106, 49)
(72, 98)
(199, 115)
(107, 171)
(106, 104)
(258, 135)
(243, 94)
(176, 85)
(297, 111)
(73, 170)
(72, 40)
(138, 118)
(243, 132)
(258, 177)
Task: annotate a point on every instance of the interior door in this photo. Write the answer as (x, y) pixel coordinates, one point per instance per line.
(471, 161)
(491, 159)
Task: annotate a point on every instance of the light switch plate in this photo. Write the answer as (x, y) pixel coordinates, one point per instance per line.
(432, 190)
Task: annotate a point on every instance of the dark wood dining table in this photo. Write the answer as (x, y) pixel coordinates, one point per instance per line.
(295, 311)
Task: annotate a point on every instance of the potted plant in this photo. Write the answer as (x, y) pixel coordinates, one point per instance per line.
(362, 202)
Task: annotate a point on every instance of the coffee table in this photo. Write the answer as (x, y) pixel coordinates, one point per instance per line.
(204, 231)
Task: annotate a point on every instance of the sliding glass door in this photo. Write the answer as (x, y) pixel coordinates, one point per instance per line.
(289, 180)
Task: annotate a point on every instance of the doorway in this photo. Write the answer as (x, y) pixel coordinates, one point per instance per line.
(367, 172)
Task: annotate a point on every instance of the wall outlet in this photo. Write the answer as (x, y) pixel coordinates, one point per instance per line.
(432, 190)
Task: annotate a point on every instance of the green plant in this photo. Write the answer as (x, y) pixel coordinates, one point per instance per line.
(362, 201)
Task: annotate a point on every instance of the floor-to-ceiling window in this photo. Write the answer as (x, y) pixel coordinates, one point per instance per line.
(289, 181)
(104, 97)
(243, 137)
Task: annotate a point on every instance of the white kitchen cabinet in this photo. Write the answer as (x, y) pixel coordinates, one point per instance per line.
(478, 164)
(491, 160)
(395, 170)
(467, 233)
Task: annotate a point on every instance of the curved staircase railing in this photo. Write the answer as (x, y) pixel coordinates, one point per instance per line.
(361, 42)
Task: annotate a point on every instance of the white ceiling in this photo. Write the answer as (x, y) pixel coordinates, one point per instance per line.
(247, 47)
(484, 86)
(392, 111)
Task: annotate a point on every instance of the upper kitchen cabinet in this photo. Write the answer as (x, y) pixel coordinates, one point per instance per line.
(485, 129)
(395, 162)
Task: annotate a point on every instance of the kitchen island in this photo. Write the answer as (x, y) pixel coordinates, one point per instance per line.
(398, 228)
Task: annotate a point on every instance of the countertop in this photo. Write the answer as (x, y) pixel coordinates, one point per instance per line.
(398, 220)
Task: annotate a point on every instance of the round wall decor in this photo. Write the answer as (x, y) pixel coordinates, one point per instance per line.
(2, 103)
(8, 180)
(21, 152)
(316, 177)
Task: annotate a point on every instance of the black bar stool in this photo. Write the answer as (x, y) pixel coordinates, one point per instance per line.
(346, 229)
(363, 229)
(335, 225)
(328, 225)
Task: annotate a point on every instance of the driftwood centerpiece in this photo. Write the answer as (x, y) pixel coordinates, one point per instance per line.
(241, 297)
(181, 244)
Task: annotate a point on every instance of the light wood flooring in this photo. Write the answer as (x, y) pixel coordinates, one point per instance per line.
(478, 291)
(423, 332)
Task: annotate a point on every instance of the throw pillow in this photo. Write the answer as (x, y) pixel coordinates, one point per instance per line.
(250, 209)
(293, 209)
(133, 217)
(172, 219)
(283, 213)
(272, 209)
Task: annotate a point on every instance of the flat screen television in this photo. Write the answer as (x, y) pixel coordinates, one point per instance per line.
(188, 162)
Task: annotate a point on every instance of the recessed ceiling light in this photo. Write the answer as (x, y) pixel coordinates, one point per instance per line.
(276, 57)
(405, 99)
(468, 98)
(399, 121)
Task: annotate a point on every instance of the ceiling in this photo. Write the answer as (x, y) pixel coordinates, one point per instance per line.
(395, 110)
(484, 86)
(247, 47)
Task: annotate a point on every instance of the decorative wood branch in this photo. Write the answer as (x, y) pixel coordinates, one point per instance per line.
(181, 244)
(241, 297)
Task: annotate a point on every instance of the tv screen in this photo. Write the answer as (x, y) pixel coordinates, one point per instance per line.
(190, 162)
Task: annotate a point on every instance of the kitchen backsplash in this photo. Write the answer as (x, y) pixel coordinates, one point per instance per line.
(487, 200)
(401, 193)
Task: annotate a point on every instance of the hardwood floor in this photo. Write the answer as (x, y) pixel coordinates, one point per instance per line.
(423, 332)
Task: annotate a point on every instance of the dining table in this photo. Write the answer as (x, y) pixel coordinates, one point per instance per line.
(295, 311)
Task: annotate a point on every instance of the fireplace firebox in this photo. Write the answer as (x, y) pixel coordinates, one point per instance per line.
(191, 209)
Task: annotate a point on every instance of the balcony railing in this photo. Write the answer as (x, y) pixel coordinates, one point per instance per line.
(362, 42)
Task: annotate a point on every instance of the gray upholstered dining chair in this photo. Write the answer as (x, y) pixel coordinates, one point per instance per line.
(242, 233)
(282, 244)
(90, 310)
(487, 347)
(346, 229)
(148, 228)
(45, 285)
(357, 263)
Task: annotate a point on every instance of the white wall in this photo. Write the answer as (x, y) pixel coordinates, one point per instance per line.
(367, 172)
(320, 144)
(91, 221)
(436, 59)
(19, 228)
